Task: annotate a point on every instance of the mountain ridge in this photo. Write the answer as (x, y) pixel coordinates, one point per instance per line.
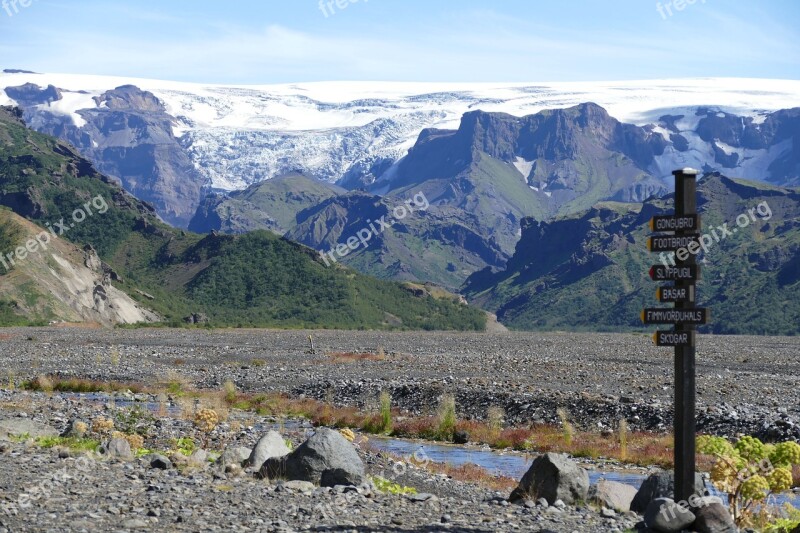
(589, 270)
(255, 280)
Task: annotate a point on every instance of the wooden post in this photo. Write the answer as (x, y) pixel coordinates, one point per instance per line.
(685, 356)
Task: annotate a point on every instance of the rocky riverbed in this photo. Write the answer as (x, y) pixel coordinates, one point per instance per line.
(744, 384)
(62, 488)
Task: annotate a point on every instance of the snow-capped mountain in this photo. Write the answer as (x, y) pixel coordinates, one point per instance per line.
(191, 137)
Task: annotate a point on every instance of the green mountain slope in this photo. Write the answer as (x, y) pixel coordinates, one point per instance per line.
(437, 244)
(589, 271)
(271, 205)
(251, 280)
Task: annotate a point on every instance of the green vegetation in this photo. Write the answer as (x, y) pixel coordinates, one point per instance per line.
(389, 487)
(10, 317)
(10, 235)
(749, 472)
(297, 290)
(566, 426)
(447, 417)
(134, 421)
(386, 412)
(73, 443)
(184, 445)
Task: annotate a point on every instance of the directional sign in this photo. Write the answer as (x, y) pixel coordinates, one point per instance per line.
(670, 243)
(697, 316)
(675, 223)
(675, 294)
(674, 338)
(675, 273)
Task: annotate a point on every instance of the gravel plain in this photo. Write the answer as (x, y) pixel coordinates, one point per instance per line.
(745, 384)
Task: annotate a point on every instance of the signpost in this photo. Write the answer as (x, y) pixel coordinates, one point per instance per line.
(687, 272)
(685, 316)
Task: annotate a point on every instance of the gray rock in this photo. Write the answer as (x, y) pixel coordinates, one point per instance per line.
(269, 446)
(661, 485)
(339, 476)
(299, 486)
(199, 459)
(422, 497)
(553, 476)
(134, 523)
(20, 426)
(233, 455)
(613, 495)
(118, 449)
(325, 450)
(714, 517)
(160, 462)
(605, 512)
(665, 516)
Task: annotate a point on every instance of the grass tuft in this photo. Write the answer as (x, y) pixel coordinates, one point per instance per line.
(446, 417)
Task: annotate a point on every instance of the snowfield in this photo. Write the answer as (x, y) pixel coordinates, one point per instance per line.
(240, 135)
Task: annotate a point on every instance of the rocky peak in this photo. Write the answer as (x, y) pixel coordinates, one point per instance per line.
(131, 98)
(31, 94)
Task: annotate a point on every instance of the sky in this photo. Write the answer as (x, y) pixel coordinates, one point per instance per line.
(284, 41)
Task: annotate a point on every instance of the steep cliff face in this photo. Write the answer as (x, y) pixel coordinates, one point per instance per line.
(568, 159)
(61, 282)
(128, 136)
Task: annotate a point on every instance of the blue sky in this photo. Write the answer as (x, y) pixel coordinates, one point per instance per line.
(277, 41)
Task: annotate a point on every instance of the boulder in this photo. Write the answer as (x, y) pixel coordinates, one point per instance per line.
(160, 462)
(661, 485)
(234, 455)
(665, 516)
(327, 453)
(299, 486)
(119, 449)
(460, 437)
(553, 476)
(269, 446)
(334, 477)
(20, 426)
(714, 517)
(198, 459)
(613, 495)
